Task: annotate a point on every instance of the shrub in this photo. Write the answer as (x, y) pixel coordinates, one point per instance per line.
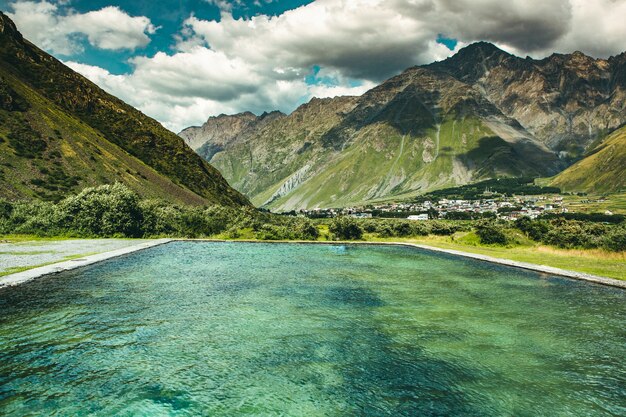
(402, 229)
(575, 234)
(492, 234)
(272, 232)
(534, 229)
(444, 228)
(345, 228)
(107, 210)
(6, 208)
(306, 230)
(159, 219)
(385, 230)
(615, 240)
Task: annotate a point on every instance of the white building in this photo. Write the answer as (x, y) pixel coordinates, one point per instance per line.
(418, 217)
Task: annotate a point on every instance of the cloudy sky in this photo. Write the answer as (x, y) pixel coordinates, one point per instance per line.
(181, 61)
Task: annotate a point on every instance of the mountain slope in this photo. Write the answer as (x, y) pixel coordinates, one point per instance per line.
(59, 132)
(480, 114)
(603, 170)
(415, 132)
(565, 101)
(219, 131)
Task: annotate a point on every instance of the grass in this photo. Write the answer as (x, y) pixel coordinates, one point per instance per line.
(16, 269)
(590, 261)
(27, 253)
(28, 238)
(595, 203)
(601, 171)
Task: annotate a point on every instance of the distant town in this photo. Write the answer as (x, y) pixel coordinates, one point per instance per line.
(501, 207)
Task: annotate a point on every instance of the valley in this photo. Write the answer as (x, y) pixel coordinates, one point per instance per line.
(480, 114)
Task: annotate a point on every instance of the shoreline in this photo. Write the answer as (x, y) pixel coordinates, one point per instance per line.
(580, 276)
(55, 268)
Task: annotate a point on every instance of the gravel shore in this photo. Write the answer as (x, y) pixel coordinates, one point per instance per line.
(28, 254)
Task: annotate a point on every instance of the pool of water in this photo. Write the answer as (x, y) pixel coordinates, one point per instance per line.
(190, 329)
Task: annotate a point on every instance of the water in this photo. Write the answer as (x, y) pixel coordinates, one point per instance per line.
(204, 329)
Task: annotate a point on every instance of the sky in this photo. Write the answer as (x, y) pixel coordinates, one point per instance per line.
(181, 61)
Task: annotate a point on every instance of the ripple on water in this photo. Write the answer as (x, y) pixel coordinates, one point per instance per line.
(192, 329)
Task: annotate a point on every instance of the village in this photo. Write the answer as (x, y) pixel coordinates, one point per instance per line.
(506, 208)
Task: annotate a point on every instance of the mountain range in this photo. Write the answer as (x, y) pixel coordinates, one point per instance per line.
(482, 113)
(60, 133)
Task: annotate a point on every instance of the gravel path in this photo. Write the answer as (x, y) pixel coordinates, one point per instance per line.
(19, 255)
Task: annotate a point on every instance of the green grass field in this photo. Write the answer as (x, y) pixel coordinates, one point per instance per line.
(596, 203)
(590, 261)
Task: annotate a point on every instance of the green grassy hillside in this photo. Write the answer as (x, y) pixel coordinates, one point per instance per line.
(416, 132)
(59, 132)
(602, 171)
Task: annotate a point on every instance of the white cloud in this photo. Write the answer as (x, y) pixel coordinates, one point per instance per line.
(260, 63)
(597, 28)
(56, 29)
(170, 94)
(111, 28)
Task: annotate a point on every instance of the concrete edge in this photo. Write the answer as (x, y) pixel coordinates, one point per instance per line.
(21, 277)
(55, 268)
(581, 276)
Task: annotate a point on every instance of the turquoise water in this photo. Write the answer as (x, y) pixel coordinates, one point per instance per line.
(212, 329)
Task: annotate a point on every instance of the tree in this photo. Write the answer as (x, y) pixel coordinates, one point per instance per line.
(345, 228)
(107, 210)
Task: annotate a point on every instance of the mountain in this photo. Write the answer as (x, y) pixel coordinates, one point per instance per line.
(60, 133)
(566, 101)
(602, 171)
(417, 131)
(220, 131)
(480, 114)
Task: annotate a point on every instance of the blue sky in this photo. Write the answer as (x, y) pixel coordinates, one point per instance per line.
(181, 61)
(167, 15)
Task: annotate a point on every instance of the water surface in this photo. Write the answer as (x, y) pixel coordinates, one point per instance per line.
(190, 329)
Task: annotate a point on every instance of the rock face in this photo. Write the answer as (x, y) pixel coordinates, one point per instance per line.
(565, 101)
(60, 133)
(219, 131)
(480, 114)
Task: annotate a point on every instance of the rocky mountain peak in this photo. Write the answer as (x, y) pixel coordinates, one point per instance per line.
(474, 61)
(481, 113)
(481, 49)
(220, 131)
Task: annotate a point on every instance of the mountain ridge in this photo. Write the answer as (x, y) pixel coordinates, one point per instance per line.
(80, 136)
(565, 100)
(533, 118)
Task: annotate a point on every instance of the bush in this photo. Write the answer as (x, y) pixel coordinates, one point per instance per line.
(159, 219)
(306, 230)
(345, 228)
(492, 234)
(104, 211)
(575, 234)
(534, 229)
(615, 240)
(6, 208)
(37, 218)
(443, 228)
(272, 232)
